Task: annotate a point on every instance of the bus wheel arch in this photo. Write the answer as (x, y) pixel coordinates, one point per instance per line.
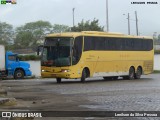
(138, 72)
(85, 74)
(87, 71)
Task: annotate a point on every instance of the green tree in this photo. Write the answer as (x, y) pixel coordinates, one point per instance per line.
(32, 34)
(159, 37)
(60, 28)
(88, 26)
(6, 33)
(24, 39)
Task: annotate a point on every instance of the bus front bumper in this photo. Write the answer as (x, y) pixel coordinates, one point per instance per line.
(66, 75)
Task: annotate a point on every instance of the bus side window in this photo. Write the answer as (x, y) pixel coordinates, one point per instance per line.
(77, 50)
(121, 44)
(99, 43)
(106, 44)
(150, 44)
(132, 44)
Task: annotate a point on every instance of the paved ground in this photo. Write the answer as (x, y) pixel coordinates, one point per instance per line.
(94, 95)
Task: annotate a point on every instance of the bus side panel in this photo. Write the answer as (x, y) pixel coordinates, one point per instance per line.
(117, 63)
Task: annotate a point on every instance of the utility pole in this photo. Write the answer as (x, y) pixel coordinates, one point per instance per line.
(128, 24)
(136, 23)
(73, 15)
(128, 17)
(107, 19)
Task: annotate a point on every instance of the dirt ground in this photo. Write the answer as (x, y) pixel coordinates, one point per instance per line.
(71, 95)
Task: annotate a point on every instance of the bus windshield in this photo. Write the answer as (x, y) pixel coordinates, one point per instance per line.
(57, 51)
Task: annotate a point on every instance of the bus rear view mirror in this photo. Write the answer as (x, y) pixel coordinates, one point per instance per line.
(39, 50)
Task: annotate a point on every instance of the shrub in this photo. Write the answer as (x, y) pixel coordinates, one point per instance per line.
(156, 51)
(28, 57)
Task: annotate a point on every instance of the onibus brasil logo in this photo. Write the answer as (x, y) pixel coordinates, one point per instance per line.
(21, 114)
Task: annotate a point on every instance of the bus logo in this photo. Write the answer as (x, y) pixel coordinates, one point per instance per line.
(6, 114)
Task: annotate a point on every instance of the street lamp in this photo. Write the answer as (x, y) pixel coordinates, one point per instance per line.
(137, 32)
(136, 22)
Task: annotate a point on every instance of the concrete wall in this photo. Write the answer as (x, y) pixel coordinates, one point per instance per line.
(35, 67)
(156, 62)
(157, 47)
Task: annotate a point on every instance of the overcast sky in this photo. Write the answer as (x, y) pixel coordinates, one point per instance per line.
(60, 12)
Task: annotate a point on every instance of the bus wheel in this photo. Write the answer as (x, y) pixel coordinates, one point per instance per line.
(84, 75)
(131, 73)
(58, 80)
(138, 73)
(19, 74)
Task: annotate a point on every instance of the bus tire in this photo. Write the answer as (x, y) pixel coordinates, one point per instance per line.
(19, 74)
(84, 75)
(131, 73)
(138, 73)
(59, 80)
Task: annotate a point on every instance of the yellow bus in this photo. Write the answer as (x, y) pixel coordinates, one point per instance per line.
(96, 54)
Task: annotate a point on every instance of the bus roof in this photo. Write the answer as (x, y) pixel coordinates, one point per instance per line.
(95, 33)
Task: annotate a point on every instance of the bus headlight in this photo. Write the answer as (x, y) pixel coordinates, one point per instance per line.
(65, 70)
(43, 70)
